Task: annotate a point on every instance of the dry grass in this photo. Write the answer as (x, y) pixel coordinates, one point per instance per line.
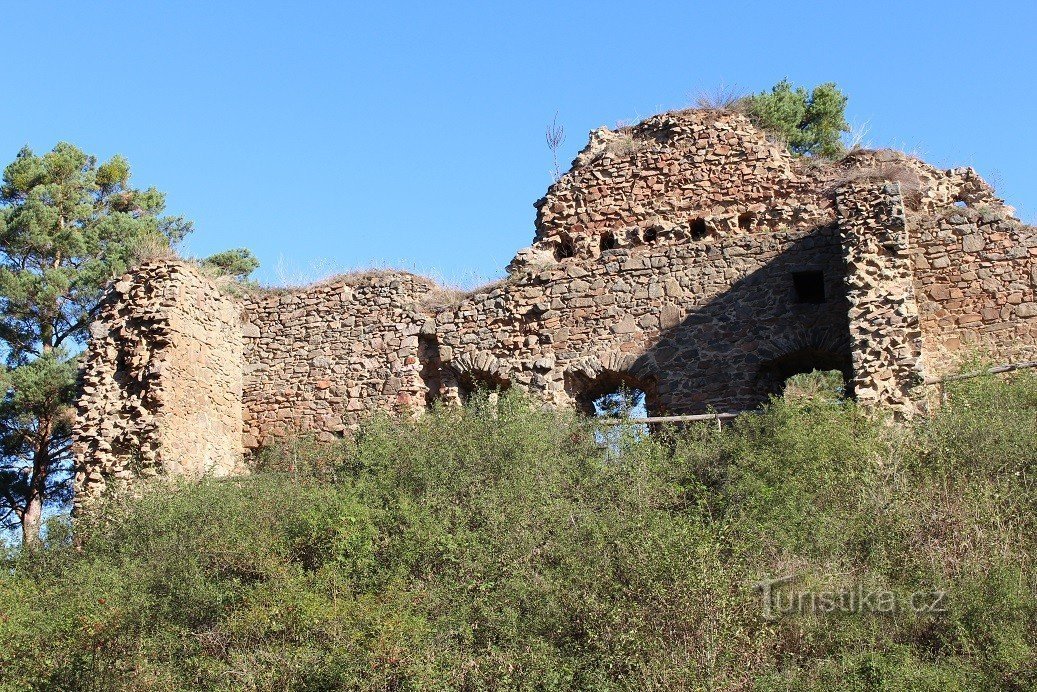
(721, 98)
(883, 171)
(623, 145)
(152, 247)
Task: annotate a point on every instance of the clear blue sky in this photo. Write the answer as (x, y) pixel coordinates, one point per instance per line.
(412, 134)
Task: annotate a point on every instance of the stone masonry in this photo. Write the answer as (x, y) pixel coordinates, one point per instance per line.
(161, 385)
(688, 256)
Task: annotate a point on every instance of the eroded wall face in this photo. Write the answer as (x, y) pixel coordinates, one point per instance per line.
(161, 382)
(976, 283)
(318, 359)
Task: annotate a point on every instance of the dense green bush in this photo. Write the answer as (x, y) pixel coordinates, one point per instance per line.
(809, 123)
(501, 547)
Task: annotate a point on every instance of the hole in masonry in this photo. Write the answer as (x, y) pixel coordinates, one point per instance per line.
(431, 372)
(608, 241)
(809, 286)
(746, 221)
(564, 249)
(650, 235)
(698, 229)
(807, 371)
(470, 383)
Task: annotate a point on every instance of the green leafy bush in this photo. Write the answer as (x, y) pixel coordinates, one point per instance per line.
(502, 547)
(809, 123)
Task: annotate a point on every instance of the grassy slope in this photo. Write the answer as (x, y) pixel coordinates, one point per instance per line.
(500, 548)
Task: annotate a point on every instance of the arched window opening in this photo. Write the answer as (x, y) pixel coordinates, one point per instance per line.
(608, 241)
(615, 395)
(746, 221)
(808, 372)
(650, 235)
(470, 383)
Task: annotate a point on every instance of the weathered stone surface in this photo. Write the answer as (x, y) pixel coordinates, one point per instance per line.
(161, 384)
(687, 256)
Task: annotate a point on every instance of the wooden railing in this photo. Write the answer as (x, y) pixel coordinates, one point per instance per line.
(718, 417)
(721, 417)
(995, 370)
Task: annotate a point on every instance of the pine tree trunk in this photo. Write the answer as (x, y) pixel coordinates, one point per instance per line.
(32, 519)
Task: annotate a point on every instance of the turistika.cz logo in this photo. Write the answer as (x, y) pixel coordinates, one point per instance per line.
(778, 599)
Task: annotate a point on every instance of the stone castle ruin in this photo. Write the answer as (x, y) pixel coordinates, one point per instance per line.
(688, 256)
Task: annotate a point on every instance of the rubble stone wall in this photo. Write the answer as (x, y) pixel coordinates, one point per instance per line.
(976, 282)
(688, 256)
(161, 382)
(319, 357)
(884, 325)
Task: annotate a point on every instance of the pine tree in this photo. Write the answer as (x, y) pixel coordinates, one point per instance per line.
(67, 225)
(810, 124)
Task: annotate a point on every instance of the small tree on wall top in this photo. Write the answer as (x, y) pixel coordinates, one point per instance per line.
(810, 123)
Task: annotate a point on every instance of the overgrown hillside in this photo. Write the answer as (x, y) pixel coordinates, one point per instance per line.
(499, 547)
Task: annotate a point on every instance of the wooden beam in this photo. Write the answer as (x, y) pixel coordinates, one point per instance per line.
(997, 369)
(669, 419)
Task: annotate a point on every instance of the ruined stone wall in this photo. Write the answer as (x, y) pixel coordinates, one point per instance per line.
(883, 317)
(688, 256)
(672, 178)
(711, 323)
(318, 358)
(974, 274)
(161, 382)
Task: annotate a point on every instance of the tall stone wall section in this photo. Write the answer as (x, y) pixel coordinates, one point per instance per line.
(883, 316)
(161, 382)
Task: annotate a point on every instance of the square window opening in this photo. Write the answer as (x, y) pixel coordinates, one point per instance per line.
(809, 286)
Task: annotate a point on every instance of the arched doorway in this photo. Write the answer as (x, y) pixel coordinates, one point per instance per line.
(774, 374)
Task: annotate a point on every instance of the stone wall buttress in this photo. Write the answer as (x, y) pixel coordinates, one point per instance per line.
(884, 324)
(161, 382)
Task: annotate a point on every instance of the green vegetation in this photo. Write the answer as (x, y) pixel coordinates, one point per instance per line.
(809, 123)
(67, 226)
(500, 547)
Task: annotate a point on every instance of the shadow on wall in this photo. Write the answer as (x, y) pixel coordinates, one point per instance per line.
(731, 353)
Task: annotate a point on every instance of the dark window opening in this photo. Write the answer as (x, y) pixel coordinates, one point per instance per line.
(608, 241)
(808, 372)
(809, 286)
(746, 221)
(699, 229)
(650, 235)
(431, 372)
(471, 383)
(564, 249)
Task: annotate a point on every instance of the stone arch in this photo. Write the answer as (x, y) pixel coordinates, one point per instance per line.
(597, 376)
(469, 373)
(773, 373)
